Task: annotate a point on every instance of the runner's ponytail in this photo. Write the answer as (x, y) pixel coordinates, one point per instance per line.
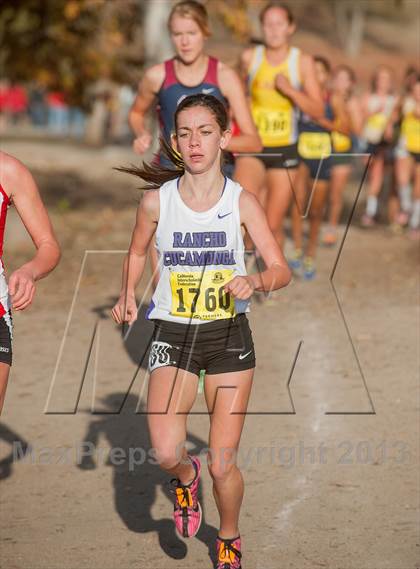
(155, 174)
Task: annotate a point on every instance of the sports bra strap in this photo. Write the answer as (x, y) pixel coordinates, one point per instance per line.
(294, 64)
(257, 58)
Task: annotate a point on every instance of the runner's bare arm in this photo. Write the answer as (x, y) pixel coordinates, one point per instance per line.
(393, 118)
(146, 95)
(19, 184)
(341, 122)
(309, 99)
(253, 217)
(244, 64)
(232, 88)
(135, 260)
(355, 111)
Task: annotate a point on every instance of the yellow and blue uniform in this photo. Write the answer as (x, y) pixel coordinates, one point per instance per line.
(274, 114)
(343, 147)
(315, 145)
(410, 135)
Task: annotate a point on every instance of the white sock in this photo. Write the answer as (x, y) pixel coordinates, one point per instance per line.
(415, 215)
(371, 206)
(405, 197)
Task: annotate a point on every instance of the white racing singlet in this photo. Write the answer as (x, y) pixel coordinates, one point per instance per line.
(198, 252)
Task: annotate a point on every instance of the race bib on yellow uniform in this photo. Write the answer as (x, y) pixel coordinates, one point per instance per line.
(377, 121)
(274, 127)
(411, 130)
(314, 145)
(201, 295)
(341, 142)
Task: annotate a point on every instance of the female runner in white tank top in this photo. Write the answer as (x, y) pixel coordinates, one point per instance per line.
(199, 308)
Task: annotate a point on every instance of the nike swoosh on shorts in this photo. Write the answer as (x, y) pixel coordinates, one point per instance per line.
(243, 356)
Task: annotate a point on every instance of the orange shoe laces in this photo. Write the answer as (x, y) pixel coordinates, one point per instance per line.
(227, 553)
(184, 497)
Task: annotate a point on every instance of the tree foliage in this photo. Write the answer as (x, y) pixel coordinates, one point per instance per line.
(70, 43)
(343, 21)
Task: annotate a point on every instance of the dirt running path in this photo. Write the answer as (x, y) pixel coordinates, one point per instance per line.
(337, 490)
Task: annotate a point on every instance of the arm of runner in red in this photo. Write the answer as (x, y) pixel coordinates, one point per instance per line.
(22, 189)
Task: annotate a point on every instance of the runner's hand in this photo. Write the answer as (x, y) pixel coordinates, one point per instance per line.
(21, 288)
(142, 143)
(389, 132)
(338, 102)
(240, 287)
(129, 305)
(283, 85)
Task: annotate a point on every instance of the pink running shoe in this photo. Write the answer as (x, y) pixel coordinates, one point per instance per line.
(228, 553)
(367, 221)
(187, 509)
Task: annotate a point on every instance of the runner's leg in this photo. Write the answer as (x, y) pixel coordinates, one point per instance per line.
(280, 189)
(171, 395)
(316, 212)
(415, 215)
(403, 172)
(339, 178)
(227, 394)
(4, 376)
(376, 178)
(299, 205)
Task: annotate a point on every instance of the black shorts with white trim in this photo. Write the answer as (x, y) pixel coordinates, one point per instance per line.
(221, 346)
(6, 339)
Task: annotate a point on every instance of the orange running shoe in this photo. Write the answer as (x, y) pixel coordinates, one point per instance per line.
(187, 509)
(228, 553)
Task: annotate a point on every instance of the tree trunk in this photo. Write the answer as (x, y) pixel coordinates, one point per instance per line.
(157, 43)
(350, 18)
(356, 31)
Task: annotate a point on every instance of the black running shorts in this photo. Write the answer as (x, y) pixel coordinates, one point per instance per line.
(218, 347)
(6, 339)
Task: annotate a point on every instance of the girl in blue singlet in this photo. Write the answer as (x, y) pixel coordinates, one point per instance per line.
(190, 72)
(315, 149)
(344, 145)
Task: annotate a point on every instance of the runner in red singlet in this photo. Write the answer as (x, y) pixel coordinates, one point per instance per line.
(18, 187)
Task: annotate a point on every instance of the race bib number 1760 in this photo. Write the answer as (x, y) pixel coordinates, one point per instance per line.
(201, 295)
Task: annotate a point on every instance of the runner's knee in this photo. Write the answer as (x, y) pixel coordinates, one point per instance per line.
(167, 456)
(221, 464)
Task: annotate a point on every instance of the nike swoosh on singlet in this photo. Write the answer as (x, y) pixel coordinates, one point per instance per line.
(207, 91)
(224, 215)
(243, 356)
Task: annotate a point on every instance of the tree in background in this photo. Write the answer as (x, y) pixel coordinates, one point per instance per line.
(344, 22)
(70, 44)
